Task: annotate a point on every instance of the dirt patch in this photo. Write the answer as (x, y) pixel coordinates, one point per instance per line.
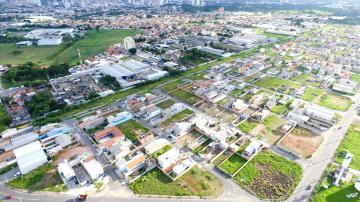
(71, 153)
(302, 142)
(270, 183)
(186, 139)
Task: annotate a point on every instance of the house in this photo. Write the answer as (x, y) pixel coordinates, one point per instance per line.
(66, 171)
(257, 100)
(296, 103)
(271, 102)
(119, 118)
(345, 86)
(30, 156)
(284, 100)
(168, 158)
(150, 111)
(131, 165)
(109, 137)
(239, 105)
(251, 149)
(94, 169)
(91, 122)
(179, 129)
(180, 169)
(56, 137)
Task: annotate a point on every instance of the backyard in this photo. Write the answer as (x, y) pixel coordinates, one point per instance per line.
(270, 176)
(45, 178)
(195, 182)
(132, 130)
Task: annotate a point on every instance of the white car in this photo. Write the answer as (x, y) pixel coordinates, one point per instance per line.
(17, 174)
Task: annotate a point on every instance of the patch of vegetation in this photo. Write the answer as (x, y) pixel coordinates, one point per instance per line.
(195, 182)
(202, 146)
(161, 151)
(110, 82)
(42, 103)
(270, 176)
(166, 104)
(7, 168)
(351, 144)
(5, 119)
(335, 102)
(232, 164)
(45, 178)
(132, 130)
(247, 126)
(311, 94)
(274, 83)
(355, 77)
(30, 74)
(196, 56)
(185, 96)
(172, 85)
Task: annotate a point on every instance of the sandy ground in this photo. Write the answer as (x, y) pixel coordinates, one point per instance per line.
(305, 146)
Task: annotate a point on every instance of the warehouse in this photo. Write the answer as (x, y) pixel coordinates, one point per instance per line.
(30, 157)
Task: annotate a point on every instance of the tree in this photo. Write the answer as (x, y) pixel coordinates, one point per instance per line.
(132, 51)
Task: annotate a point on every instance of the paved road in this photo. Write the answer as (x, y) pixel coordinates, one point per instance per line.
(313, 169)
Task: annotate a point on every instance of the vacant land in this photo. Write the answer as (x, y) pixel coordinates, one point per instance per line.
(355, 77)
(277, 84)
(185, 96)
(302, 142)
(195, 182)
(161, 151)
(177, 117)
(132, 130)
(335, 102)
(247, 126)
(351, 143)
(268, 130)
(311, 94)
(45, 178)
(172, 85)
(94, 43)
(166, 104)
(270, 176)
(11, 54)
(235, 161)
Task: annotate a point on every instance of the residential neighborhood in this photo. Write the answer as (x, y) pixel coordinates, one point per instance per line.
(157, 102)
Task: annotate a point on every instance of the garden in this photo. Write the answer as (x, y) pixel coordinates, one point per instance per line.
(132, 130)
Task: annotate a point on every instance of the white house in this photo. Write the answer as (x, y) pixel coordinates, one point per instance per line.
(168, 158)
(251, 149)
(129, 43)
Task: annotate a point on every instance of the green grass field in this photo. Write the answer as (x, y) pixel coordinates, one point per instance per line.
(202, 146)
(270, 176)
(96, 42)
(166, 104)
(311, 94)
(185, 96)
(335, 102)
(45, 178)
(351, 143)
(132, 129)
(336, 194)
(247, 126)
(195, 182)
(39, 55)
(355, 77)
(232, 164)
(274, 82)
